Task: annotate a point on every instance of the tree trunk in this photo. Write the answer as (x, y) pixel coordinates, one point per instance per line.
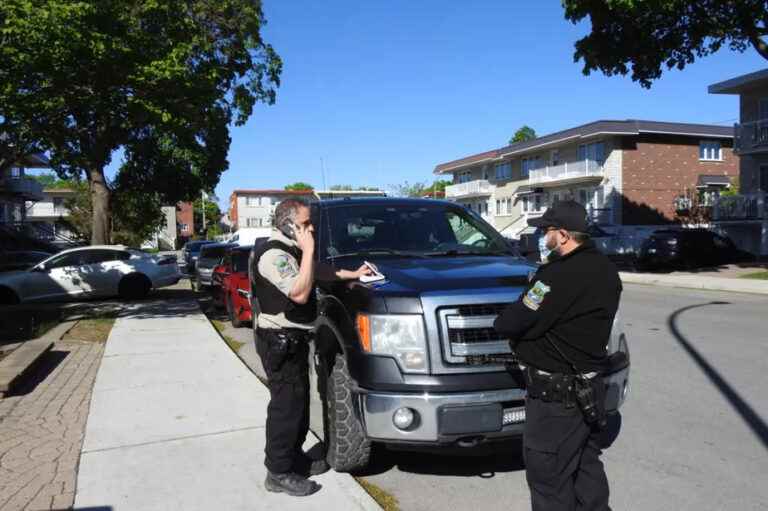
(100, 196)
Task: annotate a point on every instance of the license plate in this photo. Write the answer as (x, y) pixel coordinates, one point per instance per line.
(513, 415)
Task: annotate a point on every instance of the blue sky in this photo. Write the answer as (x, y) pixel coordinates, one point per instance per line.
(384, 91)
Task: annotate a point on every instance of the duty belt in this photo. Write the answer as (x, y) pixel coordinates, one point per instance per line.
(552, 387)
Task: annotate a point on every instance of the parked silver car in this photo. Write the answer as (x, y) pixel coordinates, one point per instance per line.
(89, 272)
(210, 256)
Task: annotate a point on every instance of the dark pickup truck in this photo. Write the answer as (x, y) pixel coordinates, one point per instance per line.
(391, 362)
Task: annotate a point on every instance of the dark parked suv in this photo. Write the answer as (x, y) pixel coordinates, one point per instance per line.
(391, 362)
(669, 249)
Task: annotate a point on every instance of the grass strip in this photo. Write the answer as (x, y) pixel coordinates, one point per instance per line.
(220, 327)
(760, 275)
(387, 501)
(90, 330)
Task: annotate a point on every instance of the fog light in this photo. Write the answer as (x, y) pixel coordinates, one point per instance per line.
(403, 418)
(513, 416)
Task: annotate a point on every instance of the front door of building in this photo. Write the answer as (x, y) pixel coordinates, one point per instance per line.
(762, 183)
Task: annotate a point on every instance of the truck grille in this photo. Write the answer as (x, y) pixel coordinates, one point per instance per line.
(468, 330)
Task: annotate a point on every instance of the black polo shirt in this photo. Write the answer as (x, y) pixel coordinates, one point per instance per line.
(575, 299)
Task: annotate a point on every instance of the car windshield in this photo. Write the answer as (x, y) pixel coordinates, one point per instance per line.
(210, 256)
(196, 246)
(404, 229)
(240, 260)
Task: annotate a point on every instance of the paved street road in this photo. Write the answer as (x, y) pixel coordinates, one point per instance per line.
(693, 434)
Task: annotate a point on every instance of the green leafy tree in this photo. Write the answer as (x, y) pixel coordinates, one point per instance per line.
(408, 190)
(299, 186)
(524, 134)
(212, 215)
(438, 186)
(733, 190)
(646, 36)
(164, 80)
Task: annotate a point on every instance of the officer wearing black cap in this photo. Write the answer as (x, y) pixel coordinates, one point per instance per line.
(559, 328)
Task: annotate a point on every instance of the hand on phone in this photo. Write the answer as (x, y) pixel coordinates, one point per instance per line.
(304, 238)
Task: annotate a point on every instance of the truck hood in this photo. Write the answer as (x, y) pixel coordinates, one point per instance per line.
(8, 277)
(414, 276)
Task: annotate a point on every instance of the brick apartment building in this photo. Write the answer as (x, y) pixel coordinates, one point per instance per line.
(745, 217)
(185, 223)
(630, 175)
(254, 208)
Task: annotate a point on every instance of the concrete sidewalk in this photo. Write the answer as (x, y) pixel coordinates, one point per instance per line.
(698, 281)
(177, 422)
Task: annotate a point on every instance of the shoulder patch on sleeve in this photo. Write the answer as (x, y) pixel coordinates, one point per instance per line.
(285, 266)
(535, 296)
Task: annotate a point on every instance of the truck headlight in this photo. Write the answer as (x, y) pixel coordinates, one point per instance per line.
(401, 336)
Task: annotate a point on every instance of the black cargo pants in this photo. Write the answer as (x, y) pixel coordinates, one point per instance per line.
(562, 457)
(288, 410)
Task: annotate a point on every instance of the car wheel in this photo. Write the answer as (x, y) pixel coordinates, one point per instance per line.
(8, 297)
(233, 318)
(348, 447)
(134, 287)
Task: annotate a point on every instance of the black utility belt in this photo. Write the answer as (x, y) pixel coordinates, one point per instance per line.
(555, 387)
(294, 334)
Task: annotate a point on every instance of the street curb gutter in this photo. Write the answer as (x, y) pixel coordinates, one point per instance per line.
(698, 282)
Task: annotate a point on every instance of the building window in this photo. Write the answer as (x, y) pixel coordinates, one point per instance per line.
(465, 177)
(16, 172)
(710, 150)
(183, 227)
(529, 164)
(594, 152)
(554, 157)
(526, 204)
(498, 207)
(503, 171)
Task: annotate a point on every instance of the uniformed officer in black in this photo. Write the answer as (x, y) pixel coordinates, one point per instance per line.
(559, 328)
(283, 274)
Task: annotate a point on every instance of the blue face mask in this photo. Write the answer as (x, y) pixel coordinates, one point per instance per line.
(544, 252)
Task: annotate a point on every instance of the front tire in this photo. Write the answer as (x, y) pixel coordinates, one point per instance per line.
(348, 447)
(134, 287)
(233, 317)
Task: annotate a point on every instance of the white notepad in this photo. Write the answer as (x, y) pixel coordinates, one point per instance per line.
(376, 276)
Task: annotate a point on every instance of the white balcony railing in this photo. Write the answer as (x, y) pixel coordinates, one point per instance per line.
(751, 137)
(741, 207)
(477, 188)
(25, 187)
(46, 210)
(566, 170)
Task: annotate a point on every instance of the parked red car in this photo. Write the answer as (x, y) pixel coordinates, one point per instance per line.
(235, 294)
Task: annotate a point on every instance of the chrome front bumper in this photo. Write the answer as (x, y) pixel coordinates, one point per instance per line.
(378, 408)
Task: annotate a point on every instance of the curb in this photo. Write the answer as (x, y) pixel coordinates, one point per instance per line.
(696, 282)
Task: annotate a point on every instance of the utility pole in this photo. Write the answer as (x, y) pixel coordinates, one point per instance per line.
(322, 171)
(202, 194)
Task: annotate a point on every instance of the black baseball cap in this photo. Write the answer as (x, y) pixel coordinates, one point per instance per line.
(566, 214)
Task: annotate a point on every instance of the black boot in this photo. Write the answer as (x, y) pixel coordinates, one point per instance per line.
(290, 483)
(307, 466)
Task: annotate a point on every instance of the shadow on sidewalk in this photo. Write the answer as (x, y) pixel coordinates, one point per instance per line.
(37, 374)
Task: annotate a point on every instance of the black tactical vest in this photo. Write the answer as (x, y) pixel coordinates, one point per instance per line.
(271, 299)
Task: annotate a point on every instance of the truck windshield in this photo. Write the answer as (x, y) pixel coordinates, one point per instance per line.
(410, 230)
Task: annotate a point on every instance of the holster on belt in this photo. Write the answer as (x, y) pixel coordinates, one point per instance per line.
(551, 388)
(282, 343)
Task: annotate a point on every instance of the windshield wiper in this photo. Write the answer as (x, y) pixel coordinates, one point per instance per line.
(379, 251)
(456, 253)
